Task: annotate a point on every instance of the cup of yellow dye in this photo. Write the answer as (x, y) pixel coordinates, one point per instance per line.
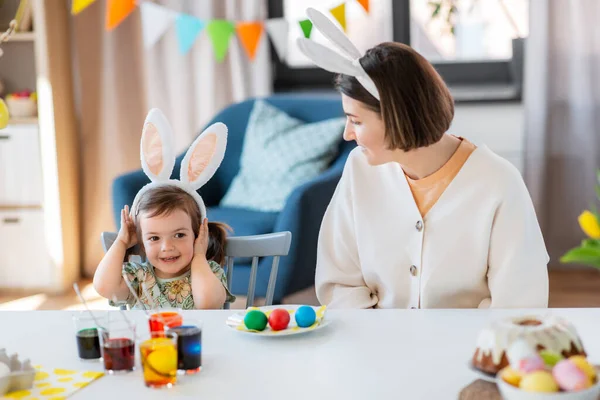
(159, 359)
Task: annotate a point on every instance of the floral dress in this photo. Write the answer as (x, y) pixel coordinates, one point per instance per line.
(173, 292)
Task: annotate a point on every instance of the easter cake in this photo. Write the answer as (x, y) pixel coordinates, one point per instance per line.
(551, 333)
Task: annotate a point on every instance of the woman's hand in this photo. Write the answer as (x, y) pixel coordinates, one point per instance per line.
(127, 234)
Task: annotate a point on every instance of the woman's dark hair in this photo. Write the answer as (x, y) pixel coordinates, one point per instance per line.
(163, 200)
(415, 103)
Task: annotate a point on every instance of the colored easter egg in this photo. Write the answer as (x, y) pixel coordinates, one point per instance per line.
(582, 363)
(551, 358)
(511, 376)
(305, 316)
(539, 381)
(255, 320)
(279, 319)
(531, 364)
(569, 377)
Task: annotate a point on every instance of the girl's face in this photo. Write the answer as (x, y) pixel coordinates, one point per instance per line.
(367, 129)
(168, 241)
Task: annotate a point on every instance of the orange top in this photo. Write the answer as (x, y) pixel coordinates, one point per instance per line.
(428, 190)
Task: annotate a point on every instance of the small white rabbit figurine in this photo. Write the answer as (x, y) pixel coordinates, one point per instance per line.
(199, 164)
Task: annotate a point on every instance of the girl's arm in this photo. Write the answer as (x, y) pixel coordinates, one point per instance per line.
(207, 289)
(108, 280)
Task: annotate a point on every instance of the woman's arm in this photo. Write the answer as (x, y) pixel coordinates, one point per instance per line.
(517, 259)
(339, 281)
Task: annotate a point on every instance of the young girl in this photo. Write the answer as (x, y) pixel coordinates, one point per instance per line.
(183, 251)
(420, 218)
(184, 255)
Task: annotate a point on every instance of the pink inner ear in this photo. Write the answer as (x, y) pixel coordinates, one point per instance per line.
(201, 156)
(152, 148)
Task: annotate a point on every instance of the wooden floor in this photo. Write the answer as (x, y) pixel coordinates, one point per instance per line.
(568, 288)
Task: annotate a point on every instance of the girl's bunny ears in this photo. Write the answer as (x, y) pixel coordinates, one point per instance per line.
(348, 62)
(158, 157)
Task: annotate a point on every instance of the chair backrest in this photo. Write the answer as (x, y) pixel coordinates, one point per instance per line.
(274, 245)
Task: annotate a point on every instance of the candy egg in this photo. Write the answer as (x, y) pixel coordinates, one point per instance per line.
(531, 364)
(279, 319)
(539, 381)
(255, 320)
(511, 376)
(551, 358)
(305, 316)
(569, 377)
(582, 363)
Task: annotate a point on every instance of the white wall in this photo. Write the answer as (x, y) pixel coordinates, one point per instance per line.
(500, 126)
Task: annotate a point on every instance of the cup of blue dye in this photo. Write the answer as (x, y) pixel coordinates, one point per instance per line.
(189, 346)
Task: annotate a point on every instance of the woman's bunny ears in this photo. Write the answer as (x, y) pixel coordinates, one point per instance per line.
(348, 62)
(158, 157)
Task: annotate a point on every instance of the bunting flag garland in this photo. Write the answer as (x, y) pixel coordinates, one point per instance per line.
(339, 13)
(158, 19)
(306, 27)
(364, 4)
(155, 22)
(117, 11)
(188, 28)
(220, 31)
(249, 34)
(277, 29)
(79, 5)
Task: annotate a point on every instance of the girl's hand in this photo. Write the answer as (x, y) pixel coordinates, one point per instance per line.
(201, 242)
(127, 233)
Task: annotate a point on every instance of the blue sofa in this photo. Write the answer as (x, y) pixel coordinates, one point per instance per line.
(304, 208)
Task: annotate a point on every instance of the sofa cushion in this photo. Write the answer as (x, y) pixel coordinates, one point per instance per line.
(243, 221)
(279, 154)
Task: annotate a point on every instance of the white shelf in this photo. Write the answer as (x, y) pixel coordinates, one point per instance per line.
(22, 37)
(23, 121)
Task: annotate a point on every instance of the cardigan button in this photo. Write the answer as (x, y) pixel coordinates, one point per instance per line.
(413, 270)
(413, 308)
(419, 226)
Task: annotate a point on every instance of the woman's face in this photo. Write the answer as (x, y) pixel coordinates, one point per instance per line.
(367, 129)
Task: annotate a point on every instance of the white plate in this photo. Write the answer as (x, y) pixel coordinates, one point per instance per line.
(236, 321)
(486, 376)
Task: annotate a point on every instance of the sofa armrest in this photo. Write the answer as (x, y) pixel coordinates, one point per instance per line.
(124, 189)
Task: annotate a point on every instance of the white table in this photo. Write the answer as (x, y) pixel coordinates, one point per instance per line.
(362, 354)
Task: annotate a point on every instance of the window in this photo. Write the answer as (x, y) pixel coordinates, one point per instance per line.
(470, 42)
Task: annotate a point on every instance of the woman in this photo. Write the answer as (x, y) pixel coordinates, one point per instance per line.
(420, 218)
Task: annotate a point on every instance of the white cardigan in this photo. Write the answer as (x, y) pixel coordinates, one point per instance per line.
(480, 245)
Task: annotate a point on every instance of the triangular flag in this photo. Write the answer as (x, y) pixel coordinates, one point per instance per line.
(278, 31)
(188, 27)
(249, 34)
(117, 11)
(155, 22)
(79, 5)
(339, 13)
(220, 32)
(306, 26)
(364, 4)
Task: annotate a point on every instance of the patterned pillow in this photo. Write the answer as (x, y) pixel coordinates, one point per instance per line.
(279, 154)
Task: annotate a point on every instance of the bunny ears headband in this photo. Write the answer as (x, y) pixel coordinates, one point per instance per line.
(158, 157)
(348, 62)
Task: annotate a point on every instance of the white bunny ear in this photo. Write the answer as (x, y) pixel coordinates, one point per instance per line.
(204, 156)
(327, 58)
(333, 33)
(156, 147)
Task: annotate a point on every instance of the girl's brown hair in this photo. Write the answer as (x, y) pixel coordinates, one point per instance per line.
(415, 103)
(163, 200)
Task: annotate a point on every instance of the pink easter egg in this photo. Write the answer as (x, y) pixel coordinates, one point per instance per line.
(531, 364)
(569, 377)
